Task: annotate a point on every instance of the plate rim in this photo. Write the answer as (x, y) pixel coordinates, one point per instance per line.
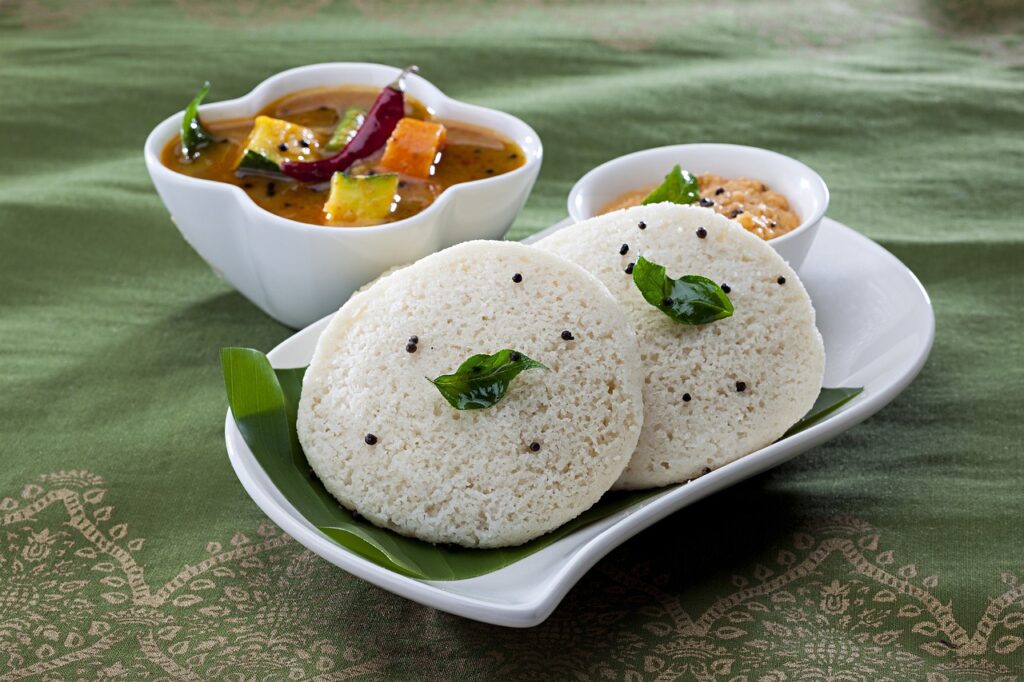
(533, 612)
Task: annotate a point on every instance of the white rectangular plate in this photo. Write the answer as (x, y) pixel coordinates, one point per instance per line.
(878, 325)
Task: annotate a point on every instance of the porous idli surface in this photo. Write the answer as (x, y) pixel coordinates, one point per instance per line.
(696, 417)
(470, 477)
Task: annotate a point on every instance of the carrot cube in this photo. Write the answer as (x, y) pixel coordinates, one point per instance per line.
(413, 147)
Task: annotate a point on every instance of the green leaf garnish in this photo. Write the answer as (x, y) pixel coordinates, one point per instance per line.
(194, 135)
(679, 187)
(482, 380)
(347, 127)
(691, 299)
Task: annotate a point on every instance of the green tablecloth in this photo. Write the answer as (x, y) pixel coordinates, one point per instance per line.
(127, 547)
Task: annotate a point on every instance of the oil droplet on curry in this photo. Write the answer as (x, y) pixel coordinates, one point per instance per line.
(749, 202)
(305, 126)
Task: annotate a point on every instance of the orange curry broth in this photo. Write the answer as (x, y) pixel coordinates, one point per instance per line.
(470, 153)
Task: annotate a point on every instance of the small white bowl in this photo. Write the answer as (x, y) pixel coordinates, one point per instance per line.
(805, 190)
(297, 272)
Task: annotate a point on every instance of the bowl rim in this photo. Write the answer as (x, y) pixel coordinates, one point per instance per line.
(164, 131)
(816, 181)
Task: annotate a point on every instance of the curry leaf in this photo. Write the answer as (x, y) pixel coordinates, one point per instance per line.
(482, 380)
(194, 135)
(691, 299)
(679, 187)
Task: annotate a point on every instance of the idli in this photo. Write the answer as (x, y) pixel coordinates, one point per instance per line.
(388, 445)
(714, 392)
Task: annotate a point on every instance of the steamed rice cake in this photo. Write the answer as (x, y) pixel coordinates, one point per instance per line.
(387, 445)
(716, 392)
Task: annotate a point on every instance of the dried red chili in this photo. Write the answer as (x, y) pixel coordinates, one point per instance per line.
(381, 119)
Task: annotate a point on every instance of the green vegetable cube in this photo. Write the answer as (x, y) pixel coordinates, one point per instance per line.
(272, 141)
(346, 128)
(356, 199)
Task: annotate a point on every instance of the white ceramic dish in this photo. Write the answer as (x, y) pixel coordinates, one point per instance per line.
(297, 272)
(878, 325)
(805, 190)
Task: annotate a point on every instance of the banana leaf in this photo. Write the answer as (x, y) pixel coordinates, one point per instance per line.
(829, 400)
(264, 404)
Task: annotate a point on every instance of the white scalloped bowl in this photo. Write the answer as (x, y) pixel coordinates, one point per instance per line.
(297, 272)
(803, 188)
